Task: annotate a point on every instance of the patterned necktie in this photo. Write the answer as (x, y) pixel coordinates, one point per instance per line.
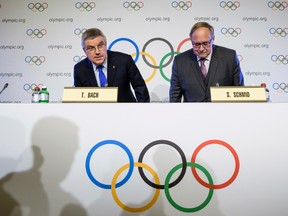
(203, 67)
(102, 77)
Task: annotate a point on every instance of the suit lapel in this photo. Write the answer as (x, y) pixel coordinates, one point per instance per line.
(212, 67)
(91, 74)
(197, 71)
(112, 67)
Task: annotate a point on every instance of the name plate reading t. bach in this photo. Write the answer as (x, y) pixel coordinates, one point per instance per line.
(89, 94)
(238, 94)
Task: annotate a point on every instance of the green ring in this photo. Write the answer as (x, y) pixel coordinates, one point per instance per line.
(174, 204)
(161, 66)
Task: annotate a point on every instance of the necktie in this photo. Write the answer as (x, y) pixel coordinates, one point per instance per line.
(203, 67)
(102, 78)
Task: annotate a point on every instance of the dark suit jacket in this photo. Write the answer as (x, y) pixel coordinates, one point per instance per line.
(121, 72)
(187, 79)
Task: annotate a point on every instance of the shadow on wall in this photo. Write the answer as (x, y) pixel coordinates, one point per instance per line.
(38, 191)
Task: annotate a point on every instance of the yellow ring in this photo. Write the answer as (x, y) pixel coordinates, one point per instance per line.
(117, 200)
(153, 61)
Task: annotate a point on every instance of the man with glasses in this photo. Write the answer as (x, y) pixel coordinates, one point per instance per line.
(205, 65)
(103, 68)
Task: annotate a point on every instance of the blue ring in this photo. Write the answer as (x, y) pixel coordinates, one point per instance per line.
(106, 142)
(129, 40)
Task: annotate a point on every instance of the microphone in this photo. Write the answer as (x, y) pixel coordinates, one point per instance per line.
(5, 86)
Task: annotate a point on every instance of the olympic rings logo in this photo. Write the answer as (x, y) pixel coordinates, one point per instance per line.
(181, 5)
(35, 60)
(280, 59)
(85, 6)
(167, 184)
(79, 32)
(38, 6)
(144, 54)
(29, 88)
(230, 5)
(78, 58)
(279, 32)
(278, 5)
(136, 6)
(282, 87)
(231, 32)
(36, 33)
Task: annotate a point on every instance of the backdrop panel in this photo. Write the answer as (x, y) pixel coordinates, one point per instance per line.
(40, 40)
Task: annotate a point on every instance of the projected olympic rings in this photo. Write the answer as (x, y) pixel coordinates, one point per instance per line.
(38, 6)
(144, 54)
(230, 5)
(136, 6)
(167, 184)
(278, 5)
(85, 6)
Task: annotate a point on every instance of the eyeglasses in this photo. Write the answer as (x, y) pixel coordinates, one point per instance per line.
(205, 44)
(92, 49)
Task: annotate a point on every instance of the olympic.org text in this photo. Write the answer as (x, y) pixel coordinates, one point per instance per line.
(206, 19)
(255, 46)
(157, 19)
(11, 75)
(12, 47)
(14, 20)
(109, 19)
(255, 19)
(52, 47)
(61, 20)
(58, 74)
(248, 73)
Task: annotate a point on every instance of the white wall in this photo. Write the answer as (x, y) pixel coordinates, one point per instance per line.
(57, 49)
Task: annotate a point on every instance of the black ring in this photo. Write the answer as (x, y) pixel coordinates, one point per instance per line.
(184, 163)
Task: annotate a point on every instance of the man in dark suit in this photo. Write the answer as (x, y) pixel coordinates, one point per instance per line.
(205, 65)
(104, 68)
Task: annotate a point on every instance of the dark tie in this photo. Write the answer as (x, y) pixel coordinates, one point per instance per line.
(203, 67)
(102, 78)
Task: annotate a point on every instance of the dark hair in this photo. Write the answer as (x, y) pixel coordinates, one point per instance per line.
(202, 24)
(91, 34)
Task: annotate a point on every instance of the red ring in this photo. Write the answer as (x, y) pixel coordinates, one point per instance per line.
(235, 173)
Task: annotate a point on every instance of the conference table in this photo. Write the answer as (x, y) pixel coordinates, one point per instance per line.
(144, 159)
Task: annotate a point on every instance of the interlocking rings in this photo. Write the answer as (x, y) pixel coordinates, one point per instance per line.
(36, 33)
(136, 6)
(231, 31)
(79, 32)
(181, 5)
(278, 5)
(146, 54)
(279, 32)
(230, 5)
(35, 60)
(281, 59)
(78, 58)
(167, 185)
(282, 87)
(29, 88)
(85, 6)
(37, 6)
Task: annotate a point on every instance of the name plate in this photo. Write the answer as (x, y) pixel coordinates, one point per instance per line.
(90, 95)
(238, 94)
